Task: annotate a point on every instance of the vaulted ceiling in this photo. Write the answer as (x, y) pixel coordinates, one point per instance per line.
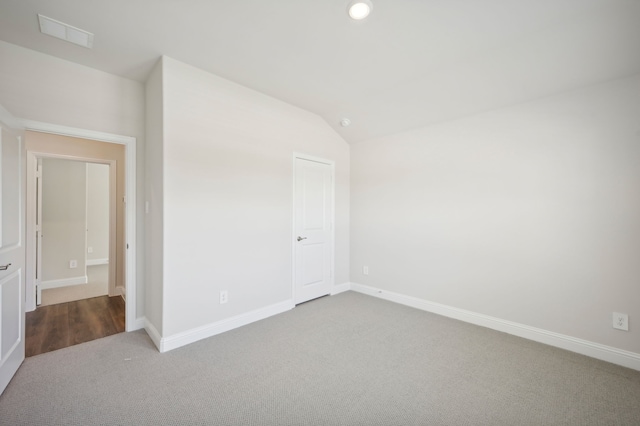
(409, 64)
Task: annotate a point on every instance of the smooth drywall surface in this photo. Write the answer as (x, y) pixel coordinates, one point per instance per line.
(40, 87)
(528, 214)
(228, 196)
(64, 200)
(44, 144)
(97, 212)
(154, 202)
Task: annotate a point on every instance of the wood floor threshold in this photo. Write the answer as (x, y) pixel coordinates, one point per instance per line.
(54, 327)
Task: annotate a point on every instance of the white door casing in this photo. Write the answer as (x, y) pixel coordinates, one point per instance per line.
(38, 239)
(313, 228)
(12, 281)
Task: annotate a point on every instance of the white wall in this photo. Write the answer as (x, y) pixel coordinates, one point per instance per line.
(228, 187)
(63, 219)
(154, 187)
(44, 88)
(97, 212)
(528, 213)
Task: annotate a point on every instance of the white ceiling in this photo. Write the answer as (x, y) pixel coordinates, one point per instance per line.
(410, 64)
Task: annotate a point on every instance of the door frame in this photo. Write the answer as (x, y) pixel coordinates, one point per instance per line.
(32, 213)
(129, 142)
(332, 219)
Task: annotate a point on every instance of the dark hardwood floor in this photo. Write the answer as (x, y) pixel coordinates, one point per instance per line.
(57, 326)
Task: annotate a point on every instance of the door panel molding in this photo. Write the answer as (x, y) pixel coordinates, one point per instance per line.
(12, 334)
(6, 301)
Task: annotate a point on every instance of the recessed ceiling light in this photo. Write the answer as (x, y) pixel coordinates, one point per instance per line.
(65, 32)
(345, 122)
(359, 9)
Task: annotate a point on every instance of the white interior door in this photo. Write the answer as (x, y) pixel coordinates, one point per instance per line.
(313, 210)
(11, 255)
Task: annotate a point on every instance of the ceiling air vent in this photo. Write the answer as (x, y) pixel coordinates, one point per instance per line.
(65, 32)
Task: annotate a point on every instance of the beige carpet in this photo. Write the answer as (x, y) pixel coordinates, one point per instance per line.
(97, 285)
(348, 359)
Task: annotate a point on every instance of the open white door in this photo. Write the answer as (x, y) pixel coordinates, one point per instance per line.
(11, 251)
(313, 210)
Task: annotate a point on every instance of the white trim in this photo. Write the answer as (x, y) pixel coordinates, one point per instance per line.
(38, 126)
(203, 332)
(130, 201)
(139, 323)
(64, 282)
(573, 344)
(122, 292)
(313, 158)
(340, 288)
(152, 332)
(95, 262)
(86, 215)
(113, 228)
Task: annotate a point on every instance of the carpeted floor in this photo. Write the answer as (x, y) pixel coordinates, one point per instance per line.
(343, 360)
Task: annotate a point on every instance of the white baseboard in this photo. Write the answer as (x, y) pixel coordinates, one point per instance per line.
(45, 285)
(573, 344)
(94, 262)
(137, 324)
(199, 333)
(153, 333)
(340, 288)
(122, 291)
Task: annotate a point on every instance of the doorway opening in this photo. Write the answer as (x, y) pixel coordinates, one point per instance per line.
(118, 154)
(77, 221)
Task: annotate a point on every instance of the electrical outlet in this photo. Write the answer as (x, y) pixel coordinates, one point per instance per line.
(89, 249)
(365, 270)
(73, 264)
(224, 297)
(621, 321)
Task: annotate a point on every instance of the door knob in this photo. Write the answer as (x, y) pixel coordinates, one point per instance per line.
(301, 238)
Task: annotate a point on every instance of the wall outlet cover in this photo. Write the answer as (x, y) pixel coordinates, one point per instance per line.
(620, 321)
(73, 264)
